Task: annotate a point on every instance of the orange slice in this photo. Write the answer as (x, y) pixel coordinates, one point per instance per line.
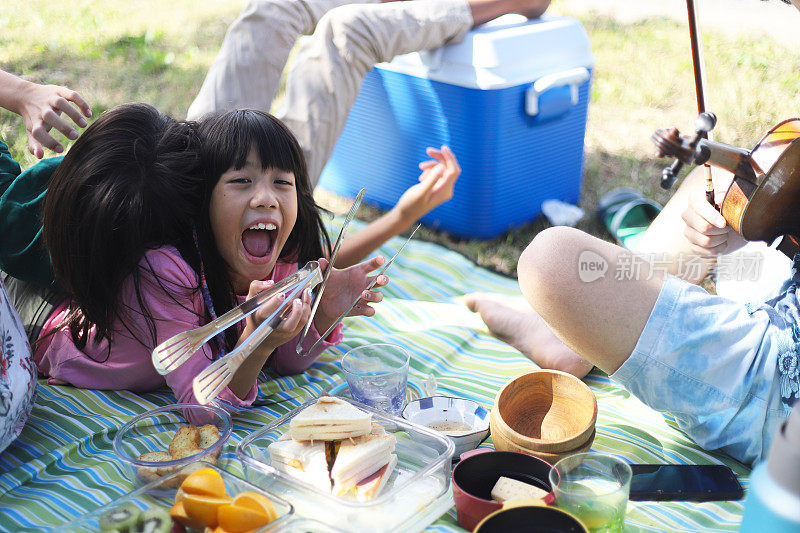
(203, 509)
(256, 502)
(205, 482)
(238, 519)
(178, 513)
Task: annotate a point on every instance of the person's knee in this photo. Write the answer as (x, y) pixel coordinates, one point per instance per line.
(548, 266)
(346, 28)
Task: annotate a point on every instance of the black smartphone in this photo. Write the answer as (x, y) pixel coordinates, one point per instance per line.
(697, 483)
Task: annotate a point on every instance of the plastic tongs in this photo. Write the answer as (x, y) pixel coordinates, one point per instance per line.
(209, 383)
(318, 296)
(370, 286)
(173, 352)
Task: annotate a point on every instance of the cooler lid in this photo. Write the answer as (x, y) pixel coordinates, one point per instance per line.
(508, 51)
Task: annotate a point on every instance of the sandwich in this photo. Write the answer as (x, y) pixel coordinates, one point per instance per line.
(330, 419)
(372, 485)
(305, 461)
(356, 466)
(361, 460)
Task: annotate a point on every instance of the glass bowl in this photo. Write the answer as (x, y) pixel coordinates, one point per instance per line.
(153, 431)
(161, 494)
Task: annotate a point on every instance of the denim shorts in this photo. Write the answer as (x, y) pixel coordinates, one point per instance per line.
(727, 371)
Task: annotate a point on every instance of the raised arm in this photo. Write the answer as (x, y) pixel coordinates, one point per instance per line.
(435, 187)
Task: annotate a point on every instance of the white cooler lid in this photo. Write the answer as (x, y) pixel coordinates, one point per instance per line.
(508, 51)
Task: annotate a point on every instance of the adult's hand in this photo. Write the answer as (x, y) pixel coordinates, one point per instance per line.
(706, 229)
(42, 106)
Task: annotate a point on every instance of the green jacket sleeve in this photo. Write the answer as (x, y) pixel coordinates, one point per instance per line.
(21, 195)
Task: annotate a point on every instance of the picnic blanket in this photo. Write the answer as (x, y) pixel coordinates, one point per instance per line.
(63, 465)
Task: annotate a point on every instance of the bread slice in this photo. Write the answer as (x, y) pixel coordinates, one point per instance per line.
(209, 434)
(372, 485)
(511, 489)
(305, 461)
(186, 442)
(149, 473)
(330, 419)
(359, 458)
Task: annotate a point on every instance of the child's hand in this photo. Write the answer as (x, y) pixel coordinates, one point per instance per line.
(343, 287)
(41, 107)
(294, 318)
(436, 185)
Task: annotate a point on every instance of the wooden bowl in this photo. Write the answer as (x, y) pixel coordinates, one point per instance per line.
(502, 444)
(545, 411)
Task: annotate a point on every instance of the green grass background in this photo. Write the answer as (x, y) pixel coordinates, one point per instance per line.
(158, 52)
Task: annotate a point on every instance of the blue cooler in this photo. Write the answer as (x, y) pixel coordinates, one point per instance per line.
(511, 101)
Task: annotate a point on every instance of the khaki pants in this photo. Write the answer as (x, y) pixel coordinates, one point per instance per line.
(346, 41)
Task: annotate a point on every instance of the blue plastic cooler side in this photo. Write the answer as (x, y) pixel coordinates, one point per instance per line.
(394, 119)
(502, 151)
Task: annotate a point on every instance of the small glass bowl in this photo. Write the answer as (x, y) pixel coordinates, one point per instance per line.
(153, 431)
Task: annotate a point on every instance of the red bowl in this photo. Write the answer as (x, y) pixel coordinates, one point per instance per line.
(478, 471)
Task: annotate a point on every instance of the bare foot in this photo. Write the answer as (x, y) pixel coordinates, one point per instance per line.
(512, 320)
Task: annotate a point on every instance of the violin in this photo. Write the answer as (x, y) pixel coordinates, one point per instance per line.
(762, 202)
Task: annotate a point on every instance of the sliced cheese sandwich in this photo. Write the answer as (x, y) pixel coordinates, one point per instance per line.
(330, 419)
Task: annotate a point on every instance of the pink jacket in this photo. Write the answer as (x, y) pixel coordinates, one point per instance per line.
(129, 365)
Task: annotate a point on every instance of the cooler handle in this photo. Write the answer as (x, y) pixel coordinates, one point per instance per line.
(572, 78)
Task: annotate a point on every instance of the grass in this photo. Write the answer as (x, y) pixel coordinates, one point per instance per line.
(157, 52)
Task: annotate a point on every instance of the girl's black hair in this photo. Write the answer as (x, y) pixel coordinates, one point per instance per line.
(227, 140)
(132, 181)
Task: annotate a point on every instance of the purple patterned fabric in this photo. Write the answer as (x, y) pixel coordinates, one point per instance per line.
(17, 373)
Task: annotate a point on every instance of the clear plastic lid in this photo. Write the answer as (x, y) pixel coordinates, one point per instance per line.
(416, 494)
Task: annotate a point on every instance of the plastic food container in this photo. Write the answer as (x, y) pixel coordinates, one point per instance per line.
(417, 493)
(153, 431)
(161, 493)
(301, 525)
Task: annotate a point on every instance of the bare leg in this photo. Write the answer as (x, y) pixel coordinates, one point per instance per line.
(513, 321)
(601, 319)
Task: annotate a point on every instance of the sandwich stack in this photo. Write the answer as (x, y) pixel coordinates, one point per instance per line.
(335, 447)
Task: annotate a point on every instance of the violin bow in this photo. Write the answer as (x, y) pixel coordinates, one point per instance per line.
(699, 83)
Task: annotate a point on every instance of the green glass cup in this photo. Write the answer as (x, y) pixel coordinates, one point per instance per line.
(594, 487)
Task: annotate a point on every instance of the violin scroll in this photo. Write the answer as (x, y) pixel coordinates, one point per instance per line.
(685, 150)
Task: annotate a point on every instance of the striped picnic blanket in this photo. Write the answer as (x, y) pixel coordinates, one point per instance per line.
(63, 465)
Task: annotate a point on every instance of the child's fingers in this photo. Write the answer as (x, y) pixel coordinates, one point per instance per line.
(372, 264)
(382, 281)
(299, 314)
(371, 296)
(257, 286)
(269, 307)
(436, 153)
(450, 160)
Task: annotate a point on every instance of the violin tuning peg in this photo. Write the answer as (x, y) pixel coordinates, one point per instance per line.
(705, 122)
